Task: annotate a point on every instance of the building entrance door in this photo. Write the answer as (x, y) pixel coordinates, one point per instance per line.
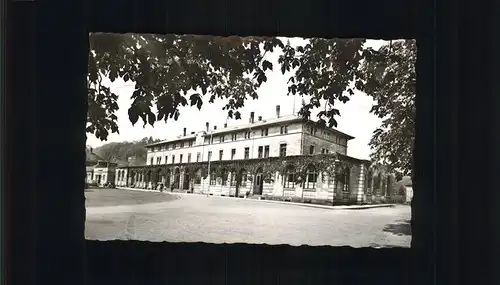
(257, 188)
(185, 184)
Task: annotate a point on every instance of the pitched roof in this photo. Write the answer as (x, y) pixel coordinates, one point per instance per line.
(91, 157)
(264, 122)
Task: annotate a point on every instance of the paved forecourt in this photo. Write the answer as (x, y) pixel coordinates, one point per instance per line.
(198, 218)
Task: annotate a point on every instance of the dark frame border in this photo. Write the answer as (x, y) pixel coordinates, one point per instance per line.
(46, 116)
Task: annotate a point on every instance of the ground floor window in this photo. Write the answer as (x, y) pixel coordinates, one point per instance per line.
(346, 180)
(212, 177)
(311, 178)
(197, 178)
(289, 178)
(244, 178)
(224, 177)
(232, 180)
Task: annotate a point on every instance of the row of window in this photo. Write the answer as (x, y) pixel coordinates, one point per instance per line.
(289, 179)
(312, 150)
(326, 135)
(263, 151)
(221, 138)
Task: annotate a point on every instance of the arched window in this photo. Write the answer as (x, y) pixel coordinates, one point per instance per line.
(232, 180)
(347, 176)
(197, 179)
(289, 178)
(167, 177)
(224, 177)
(311, 178)
(376, 184)
(368, 180)
(243, 178)
(212, 177)
(389, 186)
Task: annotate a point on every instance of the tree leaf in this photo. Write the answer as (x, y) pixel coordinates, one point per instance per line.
(267, 65)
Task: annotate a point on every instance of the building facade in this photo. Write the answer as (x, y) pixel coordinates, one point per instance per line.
(98, 171)
(286, 158)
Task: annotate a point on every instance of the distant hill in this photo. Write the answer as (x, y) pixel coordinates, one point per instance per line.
(121, 151)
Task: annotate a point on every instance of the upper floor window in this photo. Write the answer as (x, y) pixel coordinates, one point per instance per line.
(323, 150)
(189, 157)
(158, 160)
(180, 158)
(266, 151)
(264, 132)
(247, 152)
(248, 135)
(233, 137)
(173, 158)
(221, 152)
(166, 159)
(181, 144)
(221, 138)
(198, 155)
(261, 149)
(209, 155)
(283, 149)
(284, 130)
(190, 143)
(233, 153)
(151, 161)
(311, 149)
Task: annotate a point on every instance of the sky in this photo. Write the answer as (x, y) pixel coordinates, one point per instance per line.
(355, 118)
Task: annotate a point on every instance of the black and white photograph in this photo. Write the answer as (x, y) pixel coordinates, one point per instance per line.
(257, 140)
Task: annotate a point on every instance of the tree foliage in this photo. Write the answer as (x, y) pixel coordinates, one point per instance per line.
(170, 71)
(121, 151)
(391, 81)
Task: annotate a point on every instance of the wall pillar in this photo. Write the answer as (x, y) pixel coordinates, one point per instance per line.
(360, 197)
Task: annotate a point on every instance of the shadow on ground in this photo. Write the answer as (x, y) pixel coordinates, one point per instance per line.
(400, 228)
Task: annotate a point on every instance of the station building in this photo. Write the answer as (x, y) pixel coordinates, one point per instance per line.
(285, 158)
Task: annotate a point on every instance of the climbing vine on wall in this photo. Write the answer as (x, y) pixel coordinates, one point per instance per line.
(330, 164)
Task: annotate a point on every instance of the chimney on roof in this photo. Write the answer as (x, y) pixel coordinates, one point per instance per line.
(184, 132)
(215, 128)
(225, 125)
(192, 133)
(260, 118)
(207, 125)
(277, 111)
(251, 117)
